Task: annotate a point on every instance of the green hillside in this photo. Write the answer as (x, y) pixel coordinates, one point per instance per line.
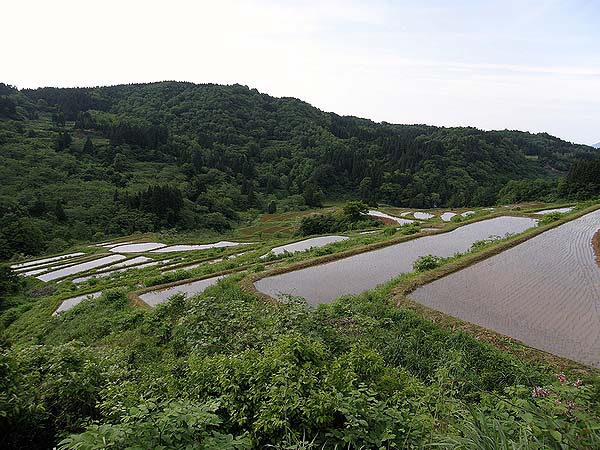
(85, 163)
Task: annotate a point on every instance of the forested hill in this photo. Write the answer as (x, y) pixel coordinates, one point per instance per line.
(81, 162)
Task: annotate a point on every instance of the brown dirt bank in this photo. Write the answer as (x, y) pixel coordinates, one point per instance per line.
(596, 246)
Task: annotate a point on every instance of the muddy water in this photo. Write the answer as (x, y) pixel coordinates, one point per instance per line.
(544, 292)
(359, 273)
(153, 298)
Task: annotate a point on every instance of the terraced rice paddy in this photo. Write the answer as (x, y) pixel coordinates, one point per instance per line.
(73, 301)
(154, 298)
(137, 248)
(359, 273)
(203, 263)
(447, 216)
(130, 262)
(423, 215)
(40, 262)
(555, 210)
(188, 248)
(33, 272)
(58, 264)
(383, 215)
(306, 244)
(112, 272)
(544, 292)
(77, 268)
(111, 245)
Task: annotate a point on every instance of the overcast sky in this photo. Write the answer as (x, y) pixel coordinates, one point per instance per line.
(516, 64)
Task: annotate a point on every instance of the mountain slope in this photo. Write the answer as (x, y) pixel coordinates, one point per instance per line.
(78, 162)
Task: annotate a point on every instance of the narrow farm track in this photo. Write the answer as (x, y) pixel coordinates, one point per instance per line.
(544, 292)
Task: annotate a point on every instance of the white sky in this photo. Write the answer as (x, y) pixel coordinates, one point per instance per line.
(517, 64)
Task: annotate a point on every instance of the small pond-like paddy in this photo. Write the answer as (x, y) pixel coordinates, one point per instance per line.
(306, 244)
(137, 248)
(423, 215)
(153, 298)
(555, 210)
(359, 273)
(383, 215)
(73, 301)
(447, 216)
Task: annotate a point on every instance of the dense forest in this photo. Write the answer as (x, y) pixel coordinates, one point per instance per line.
(85, 163)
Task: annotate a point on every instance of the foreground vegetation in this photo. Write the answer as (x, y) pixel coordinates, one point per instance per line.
(227, 370)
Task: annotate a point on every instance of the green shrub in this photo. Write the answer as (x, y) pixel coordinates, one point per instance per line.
(427, 262)
(549, 218)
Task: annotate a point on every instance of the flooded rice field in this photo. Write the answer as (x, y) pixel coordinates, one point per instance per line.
(555, 210)
(423, 215)
(111, 245)
(72, 270)
(447, 216)
(137, 248)
(30, 273)
(188, 248)
(157, 247)
(359, 273)
(153, 298)
(544, 292)
(195, 265)
(204, 263)
(40, 262)
(73, 301)
(306, 244)
(112, 272)
(34, 270)
(383, 215)
(129, 262)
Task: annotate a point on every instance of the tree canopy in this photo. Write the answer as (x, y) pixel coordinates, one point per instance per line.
(96, 152)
